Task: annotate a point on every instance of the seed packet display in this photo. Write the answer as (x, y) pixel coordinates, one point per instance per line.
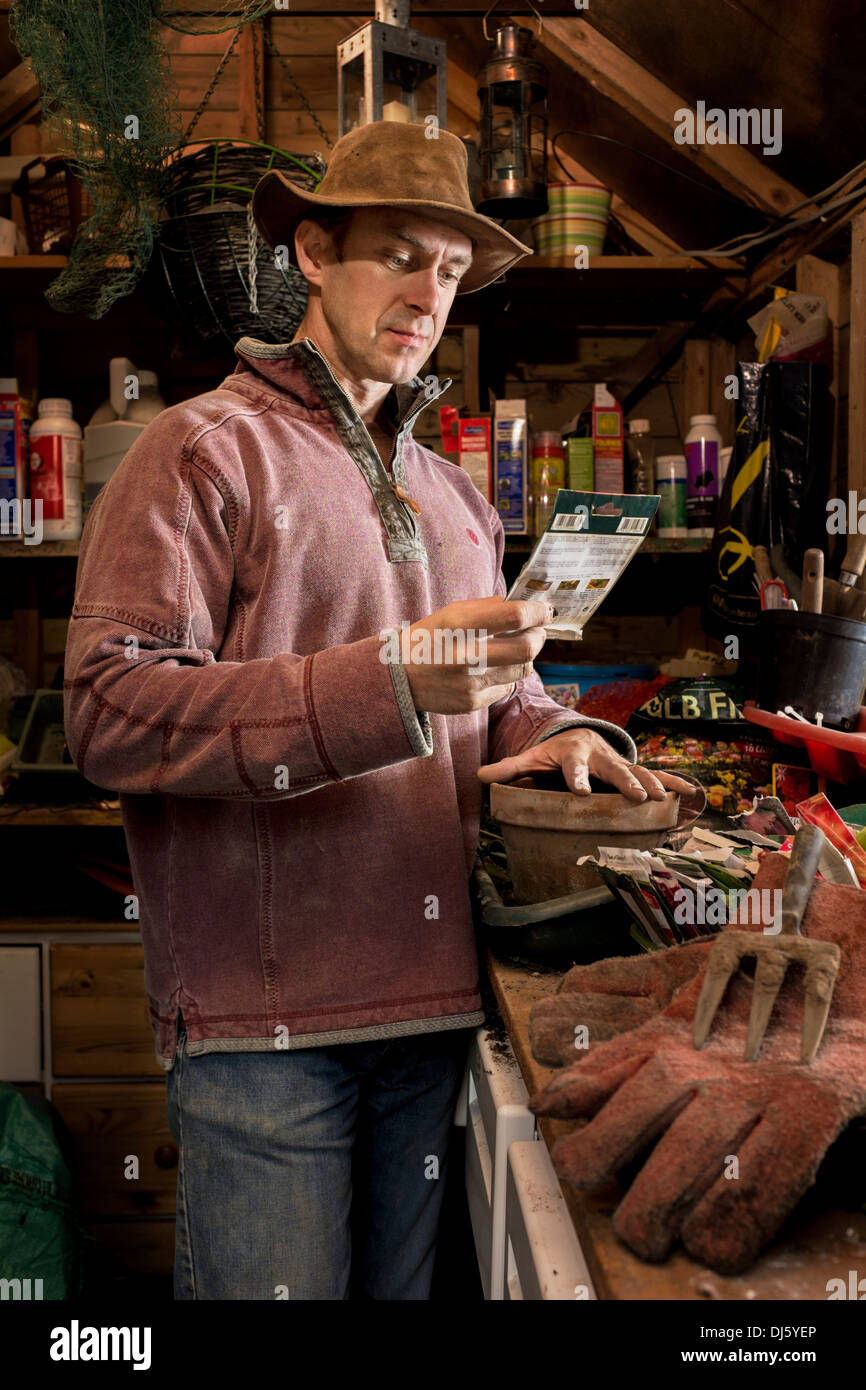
(590, 539)
(641, 867)
(668, 888)
(634, 871)
(624, 887)
(671, 900)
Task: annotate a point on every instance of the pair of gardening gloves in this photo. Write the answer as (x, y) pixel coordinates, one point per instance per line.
(640, 1087)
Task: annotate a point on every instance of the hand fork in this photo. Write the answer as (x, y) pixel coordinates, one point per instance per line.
(773, 955)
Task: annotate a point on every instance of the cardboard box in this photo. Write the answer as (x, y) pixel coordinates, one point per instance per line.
(448, 428)
(474, 452)
(13, 484)
(510, 456)
(580, 464)
(607, 442)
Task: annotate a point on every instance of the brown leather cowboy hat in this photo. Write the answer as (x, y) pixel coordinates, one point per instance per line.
(392, 164)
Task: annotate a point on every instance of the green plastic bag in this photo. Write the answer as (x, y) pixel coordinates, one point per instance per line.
(41, 1238)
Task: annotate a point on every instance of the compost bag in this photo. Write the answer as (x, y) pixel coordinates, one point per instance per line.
(41, 1240)
(775, 490)
(695, 727)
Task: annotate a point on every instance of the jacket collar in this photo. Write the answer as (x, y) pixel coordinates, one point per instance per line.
(299, 369)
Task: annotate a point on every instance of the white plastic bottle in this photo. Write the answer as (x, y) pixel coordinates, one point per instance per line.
(703, 446)
(671, 487)
(55, 469)
(149, 402)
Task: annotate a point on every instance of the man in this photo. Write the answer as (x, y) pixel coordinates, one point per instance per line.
(301, 804)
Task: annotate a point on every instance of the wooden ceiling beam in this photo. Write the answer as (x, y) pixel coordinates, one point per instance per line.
(799, 243)
(324, 9)
(19, 98)
(725, 305)
(616, 76)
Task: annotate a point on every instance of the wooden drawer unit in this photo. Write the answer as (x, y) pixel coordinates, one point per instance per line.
(100, 1021)
(108, 1123)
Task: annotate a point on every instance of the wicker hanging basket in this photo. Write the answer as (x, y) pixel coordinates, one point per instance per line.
(221, 277)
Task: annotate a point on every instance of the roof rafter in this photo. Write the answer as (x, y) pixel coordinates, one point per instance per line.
(19, 98)
(616, 76)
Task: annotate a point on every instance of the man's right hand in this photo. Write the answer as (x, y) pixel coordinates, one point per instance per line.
(467, 655)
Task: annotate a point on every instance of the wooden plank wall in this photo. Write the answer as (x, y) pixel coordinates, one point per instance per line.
(856, 376)
(817, 276)
(557, 392)
(310, 47)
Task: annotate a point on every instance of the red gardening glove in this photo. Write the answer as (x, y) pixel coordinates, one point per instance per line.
(776, 1117)
(607, 998)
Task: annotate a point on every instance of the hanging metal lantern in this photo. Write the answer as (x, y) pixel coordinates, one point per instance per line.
(513, 92)
(389, 72)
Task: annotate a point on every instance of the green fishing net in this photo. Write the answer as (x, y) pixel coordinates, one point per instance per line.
(106, 82)
(211, 18)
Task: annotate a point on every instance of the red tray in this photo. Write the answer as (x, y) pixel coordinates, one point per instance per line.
(841, 757)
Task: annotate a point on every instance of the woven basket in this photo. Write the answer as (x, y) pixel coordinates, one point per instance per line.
(222, 278)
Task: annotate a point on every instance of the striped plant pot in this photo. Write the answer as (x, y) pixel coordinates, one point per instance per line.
(577, 216)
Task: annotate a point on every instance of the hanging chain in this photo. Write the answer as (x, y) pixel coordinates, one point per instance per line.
(260, 105)
(531, 6)
(307, 107)
(252, 258)
(258, 81)
(209, 93)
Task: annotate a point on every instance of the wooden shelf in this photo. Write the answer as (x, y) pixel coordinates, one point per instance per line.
(46, 550)
(46, 922)
(32, 813)
(689, 545)
(24, 277)
(543, 294)
(32, 263)
(640, 265)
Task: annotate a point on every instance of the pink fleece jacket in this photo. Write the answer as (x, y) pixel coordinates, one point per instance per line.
(300, 838)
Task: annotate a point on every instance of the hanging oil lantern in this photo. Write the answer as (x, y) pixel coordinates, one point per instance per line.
(513, 154)
(389, 72)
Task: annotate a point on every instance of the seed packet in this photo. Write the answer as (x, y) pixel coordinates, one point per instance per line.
(821, 812)
(590, 539)
(624, 887)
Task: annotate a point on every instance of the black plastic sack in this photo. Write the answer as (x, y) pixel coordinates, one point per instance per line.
(775, 491)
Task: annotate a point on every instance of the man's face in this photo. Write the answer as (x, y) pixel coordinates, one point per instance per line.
(387, 302)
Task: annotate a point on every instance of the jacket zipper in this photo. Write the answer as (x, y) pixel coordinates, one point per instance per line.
(399, 491)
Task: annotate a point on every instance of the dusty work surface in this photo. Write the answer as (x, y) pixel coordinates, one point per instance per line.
(813, 1249)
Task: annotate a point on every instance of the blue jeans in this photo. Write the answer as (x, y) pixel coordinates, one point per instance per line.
(315, 1174)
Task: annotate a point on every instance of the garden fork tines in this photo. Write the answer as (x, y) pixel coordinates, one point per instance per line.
(773, 954)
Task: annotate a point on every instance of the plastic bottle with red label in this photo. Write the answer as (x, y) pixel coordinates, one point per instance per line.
(55, 470)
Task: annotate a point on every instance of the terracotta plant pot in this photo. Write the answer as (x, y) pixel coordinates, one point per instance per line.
(546, 832)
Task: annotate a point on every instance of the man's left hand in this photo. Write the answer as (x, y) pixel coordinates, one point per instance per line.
(582, 753)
